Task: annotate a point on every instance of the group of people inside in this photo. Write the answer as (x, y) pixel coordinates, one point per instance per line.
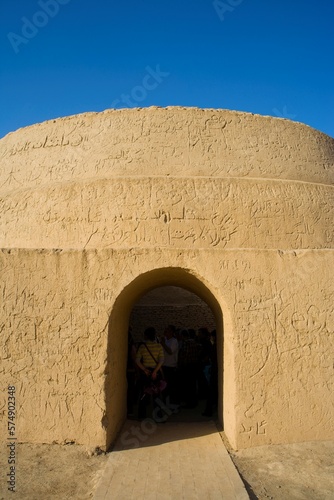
(178, 367)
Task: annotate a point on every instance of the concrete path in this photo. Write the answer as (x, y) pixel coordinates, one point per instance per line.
(175, 460)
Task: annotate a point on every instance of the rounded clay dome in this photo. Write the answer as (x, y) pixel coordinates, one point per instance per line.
(170, 177)
(173, 141)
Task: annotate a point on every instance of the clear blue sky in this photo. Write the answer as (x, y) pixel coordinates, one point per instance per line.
(272, 57)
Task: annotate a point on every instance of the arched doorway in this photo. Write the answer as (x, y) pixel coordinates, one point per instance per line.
(190, 395)
(115, 380)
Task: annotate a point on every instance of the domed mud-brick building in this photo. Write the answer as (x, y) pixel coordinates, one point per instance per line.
(100, 208)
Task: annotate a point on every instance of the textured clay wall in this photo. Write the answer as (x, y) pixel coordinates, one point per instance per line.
(97, 209)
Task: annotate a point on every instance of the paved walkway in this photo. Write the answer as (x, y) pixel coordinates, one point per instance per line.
(176, 460)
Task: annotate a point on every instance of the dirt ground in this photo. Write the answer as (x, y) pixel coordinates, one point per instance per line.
(281, 472)
(288, 472)
(55, 472)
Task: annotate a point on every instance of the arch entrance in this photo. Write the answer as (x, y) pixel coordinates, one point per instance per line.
(188, 386)
(119, 322)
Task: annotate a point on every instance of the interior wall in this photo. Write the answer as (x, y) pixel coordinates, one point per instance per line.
(170, 306)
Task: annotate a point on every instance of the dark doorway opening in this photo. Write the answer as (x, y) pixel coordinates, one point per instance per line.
(192, 391)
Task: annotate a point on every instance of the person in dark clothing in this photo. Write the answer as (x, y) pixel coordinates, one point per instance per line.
(131, 375)
(212, 392)
(205, 366)
(188, 366)
(171, 349)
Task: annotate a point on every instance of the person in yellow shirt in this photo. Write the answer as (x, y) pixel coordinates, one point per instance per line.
(149, 358)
